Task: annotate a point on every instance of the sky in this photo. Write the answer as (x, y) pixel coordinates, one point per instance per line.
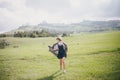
(14, 13)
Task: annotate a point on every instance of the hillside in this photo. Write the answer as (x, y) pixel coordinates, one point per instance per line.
(84, 26)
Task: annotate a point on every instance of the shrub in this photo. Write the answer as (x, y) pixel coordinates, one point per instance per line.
(3, 44)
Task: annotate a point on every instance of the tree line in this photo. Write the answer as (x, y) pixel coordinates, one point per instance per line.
(32, 34)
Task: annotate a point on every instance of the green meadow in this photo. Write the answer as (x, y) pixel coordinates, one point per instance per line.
(91, 56)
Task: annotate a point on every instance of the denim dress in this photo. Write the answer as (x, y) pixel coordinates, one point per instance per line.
(61, 52)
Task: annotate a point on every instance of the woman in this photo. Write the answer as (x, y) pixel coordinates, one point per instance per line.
(62, 53)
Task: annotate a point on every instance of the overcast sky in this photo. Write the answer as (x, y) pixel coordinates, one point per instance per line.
(14, 13)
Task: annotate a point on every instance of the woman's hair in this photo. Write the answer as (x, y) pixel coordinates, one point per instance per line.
(58, 38)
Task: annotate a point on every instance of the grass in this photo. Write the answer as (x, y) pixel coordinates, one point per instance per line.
(90, 57)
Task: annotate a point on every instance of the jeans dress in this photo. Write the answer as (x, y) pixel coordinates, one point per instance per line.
(61, 52)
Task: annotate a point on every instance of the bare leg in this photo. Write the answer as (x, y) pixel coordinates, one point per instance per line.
(61, 64)
(64, 64)
(63, 60)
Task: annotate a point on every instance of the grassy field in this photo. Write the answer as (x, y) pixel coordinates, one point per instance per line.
(90, 57)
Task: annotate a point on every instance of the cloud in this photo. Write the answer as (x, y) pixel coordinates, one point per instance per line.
(10, 16)
(113, 9)
(18, 12)
(48, 5)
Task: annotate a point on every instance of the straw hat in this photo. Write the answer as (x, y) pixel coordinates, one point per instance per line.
(59, 38)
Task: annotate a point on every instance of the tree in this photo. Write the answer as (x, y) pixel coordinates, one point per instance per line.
(65, 35)
(2, 35)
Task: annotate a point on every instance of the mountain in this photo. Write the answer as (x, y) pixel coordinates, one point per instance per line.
(84, 26)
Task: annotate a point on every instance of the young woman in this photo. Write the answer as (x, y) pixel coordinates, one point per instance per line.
(62, 53)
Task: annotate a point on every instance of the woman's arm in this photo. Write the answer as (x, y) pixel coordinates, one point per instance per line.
(55, 47)
(66, 47)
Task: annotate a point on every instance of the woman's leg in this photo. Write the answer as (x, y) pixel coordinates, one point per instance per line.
(64, 64)
(61, 64)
